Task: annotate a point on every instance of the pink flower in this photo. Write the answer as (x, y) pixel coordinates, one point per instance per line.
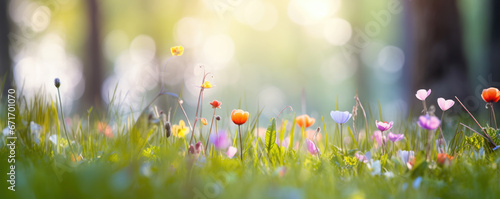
(286, 142)
(445, 104)
(422, 94)
(383, 126)
(395, 137)
(231, 151)
(379, 138)
(360, 157)
(311, 147)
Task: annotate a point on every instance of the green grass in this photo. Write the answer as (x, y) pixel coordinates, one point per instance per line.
(140, 162)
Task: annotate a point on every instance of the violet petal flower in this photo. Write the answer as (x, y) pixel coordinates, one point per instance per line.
(428, 122)
(231, 151)
(340, 117)
(311, 147)
(220, 141)
(422, 94)
(395, 137)
(445, 104)
(384, 126)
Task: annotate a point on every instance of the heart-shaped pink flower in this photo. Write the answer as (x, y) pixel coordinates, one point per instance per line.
(422, 94)
(445, 104)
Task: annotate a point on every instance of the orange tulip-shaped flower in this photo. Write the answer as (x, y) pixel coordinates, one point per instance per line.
(443, 158)
(239, 116)
(491, 94)
(304, 121)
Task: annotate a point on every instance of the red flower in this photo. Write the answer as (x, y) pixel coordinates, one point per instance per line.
(491, 94)
(215, 104)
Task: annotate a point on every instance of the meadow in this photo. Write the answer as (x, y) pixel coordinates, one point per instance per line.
(165, 154)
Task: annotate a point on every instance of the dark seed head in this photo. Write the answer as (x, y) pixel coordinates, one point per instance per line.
(217, 118)
(57, 82)
(168, 129)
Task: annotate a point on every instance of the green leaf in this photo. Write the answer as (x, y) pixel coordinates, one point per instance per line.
(271, 135)
(352, 136)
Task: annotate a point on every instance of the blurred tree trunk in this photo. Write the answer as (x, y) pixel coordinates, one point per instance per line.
(93, 63)
(494, 69)
(439, 59)
(494, 56)
(5, 62)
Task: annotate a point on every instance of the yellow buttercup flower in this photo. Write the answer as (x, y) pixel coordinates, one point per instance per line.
(180, 130)
(177, 50)
(207, 84)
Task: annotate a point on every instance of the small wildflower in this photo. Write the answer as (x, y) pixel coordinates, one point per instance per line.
(239, 116)
(204, 121)
(422, 94)
(428, 122)
(490, 95)
(206, 84)
(231, 151)
(105, 129)
(444, 158)
(304, 121)
(311, 147)
(57, 82)
(445, 104)
(350, 160)
(177, 50)
(220, 141)
(379, 138)
(215, 104)
(395, 137)
(383, 126)
(180, 130)
(340, 117)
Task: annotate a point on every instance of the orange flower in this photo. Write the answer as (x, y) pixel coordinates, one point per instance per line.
(105, 129)
(177, 50)
(304, 121)
(78, 158)
(215, 104)
(204, 121)
(443, 158)
(491, 94)
(239, 116)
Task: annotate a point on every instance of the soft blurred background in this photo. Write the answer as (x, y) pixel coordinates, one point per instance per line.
(263, 53)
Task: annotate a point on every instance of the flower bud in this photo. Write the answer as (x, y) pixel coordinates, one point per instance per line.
(168, 129)
(57, 82)
(217, 118)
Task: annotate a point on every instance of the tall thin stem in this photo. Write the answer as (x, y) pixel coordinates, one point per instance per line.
(64, 124)
(493, 116)
(241, 143)
(341, 139)
(210, 131)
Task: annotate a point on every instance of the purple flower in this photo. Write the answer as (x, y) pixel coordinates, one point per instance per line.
(422, 94)
(340, 117)
(428, 122)
(383, 126)
(395, 137)
(220, 141)
(311, 147)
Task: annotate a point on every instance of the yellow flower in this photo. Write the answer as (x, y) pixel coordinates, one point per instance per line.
(180, 130)
(177, 50)
(207, 84)
(204, 121)
(350, 160)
